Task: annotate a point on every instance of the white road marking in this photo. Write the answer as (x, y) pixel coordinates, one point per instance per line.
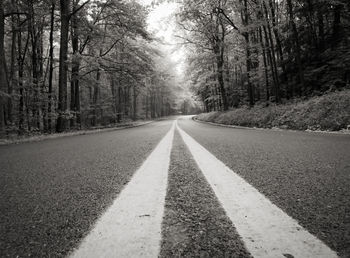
(265, 229)
(131, 227)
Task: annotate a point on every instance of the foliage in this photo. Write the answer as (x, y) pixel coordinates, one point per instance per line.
(328, 112)
(269, 51)
(108, 73)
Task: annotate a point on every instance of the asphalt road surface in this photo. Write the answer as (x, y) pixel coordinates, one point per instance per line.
(54, 191)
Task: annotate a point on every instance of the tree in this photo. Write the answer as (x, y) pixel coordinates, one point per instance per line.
(3, 69)
(107, 83)
(275, 50)
(207, 27)
(296, 43)
(51, 64)
(63, 65)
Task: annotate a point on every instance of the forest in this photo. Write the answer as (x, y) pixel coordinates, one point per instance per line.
(245, 52)
(73, 64)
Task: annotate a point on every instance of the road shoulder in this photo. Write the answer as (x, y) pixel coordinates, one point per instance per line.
(43, 137)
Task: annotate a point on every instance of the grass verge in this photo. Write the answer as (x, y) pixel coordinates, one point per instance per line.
(329, 112)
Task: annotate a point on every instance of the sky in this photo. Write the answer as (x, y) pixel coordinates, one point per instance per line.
(161, 22)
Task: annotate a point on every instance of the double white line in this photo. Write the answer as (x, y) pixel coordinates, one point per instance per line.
(131, 227)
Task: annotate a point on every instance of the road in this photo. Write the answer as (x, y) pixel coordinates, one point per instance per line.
(54, 192)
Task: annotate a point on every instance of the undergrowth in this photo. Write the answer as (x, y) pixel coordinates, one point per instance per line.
(330, 112)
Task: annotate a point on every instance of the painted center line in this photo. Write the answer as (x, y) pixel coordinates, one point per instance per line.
(265, 229)
(131, 226)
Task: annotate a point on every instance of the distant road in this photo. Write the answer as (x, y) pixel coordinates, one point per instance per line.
(54, 191)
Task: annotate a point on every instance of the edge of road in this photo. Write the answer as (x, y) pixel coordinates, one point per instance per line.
(42, 137)
(276, 129)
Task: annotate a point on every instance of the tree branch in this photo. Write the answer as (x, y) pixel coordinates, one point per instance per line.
(78, 9)
(221, 11)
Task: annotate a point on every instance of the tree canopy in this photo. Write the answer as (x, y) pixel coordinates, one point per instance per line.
(69, 64)
(248, 51)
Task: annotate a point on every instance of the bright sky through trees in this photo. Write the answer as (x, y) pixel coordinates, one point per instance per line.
(162, 23)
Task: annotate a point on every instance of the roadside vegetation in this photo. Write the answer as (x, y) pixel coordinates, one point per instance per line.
(78, 64)
(328, 112)
(268, 63)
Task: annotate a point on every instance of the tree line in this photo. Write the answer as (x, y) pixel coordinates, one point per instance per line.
(68, 64)
(245, 52)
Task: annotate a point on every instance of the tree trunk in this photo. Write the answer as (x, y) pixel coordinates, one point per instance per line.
(41, 81)
(12, 67)
(296, 44)
(146, 104)
(270, 60)
(153, 105)
(52, 20)
(75, 96)
(134, 103)
(34, 61)
(273, 59)
(219, 51)
(266, 72)
(119, 103)
(248, 64)
(336, 24)
(63, 66)
(321, 35)
(126, 101)
(114, 97)
(220, 74)
(278, 40)
(3, 75)
(21, 58)
(95, 97)
(245, 21)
